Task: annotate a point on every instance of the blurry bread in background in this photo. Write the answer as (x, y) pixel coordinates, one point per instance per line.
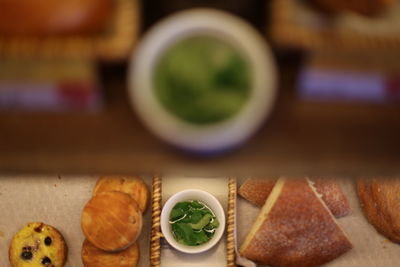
(364, 7)
(49, 17)
(257, 190)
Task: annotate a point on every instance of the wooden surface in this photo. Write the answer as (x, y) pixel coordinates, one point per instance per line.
(300, 138)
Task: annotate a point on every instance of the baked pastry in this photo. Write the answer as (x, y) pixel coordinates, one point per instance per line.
(294, 228)
(380, 201)
(333, 196)
(364, 7)
(257, 190)
(94, 257)
(38, 245)
(133, 186)
(45, 17)
(111, 221)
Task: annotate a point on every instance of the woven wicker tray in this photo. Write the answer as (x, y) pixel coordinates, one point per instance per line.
(156, 235)
(115, 43)
(295, 24)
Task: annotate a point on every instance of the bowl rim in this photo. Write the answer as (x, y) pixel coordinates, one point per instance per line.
(214, 136)
(170, 203)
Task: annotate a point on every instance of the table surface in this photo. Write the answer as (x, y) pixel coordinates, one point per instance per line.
(300, 138)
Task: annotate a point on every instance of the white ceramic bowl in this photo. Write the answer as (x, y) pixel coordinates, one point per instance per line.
(212, 137)
(192, 194)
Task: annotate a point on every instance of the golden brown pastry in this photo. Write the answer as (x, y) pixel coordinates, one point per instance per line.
(364, 7)
(294, 228)
(333, 196)
(111, 221)
(380, 201)
(94, 257)
(257, 190)
(44, 17)
(133, 186)
(38, 245)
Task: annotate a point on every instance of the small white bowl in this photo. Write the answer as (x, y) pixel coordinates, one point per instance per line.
(204, 197)
(215, 137)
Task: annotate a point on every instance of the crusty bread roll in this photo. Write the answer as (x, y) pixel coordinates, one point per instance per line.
(45, 17)
(38, 245)
(364, 7)
(111, 221)
(380, 201)
(133, 186)
(294, 228)
(94, 257)
(333, 196)
(257, 190)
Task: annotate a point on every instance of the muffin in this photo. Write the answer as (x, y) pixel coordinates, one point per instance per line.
(38, 245)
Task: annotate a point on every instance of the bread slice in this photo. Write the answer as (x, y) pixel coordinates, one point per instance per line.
(380, 201)
(294, 228)
(257, 190)
(333, 196)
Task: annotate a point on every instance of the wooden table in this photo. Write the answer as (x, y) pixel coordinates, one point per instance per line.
(300, 138)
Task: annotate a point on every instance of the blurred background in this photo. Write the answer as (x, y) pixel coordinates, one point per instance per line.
(64, 104)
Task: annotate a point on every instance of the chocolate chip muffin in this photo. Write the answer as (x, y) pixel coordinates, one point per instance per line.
(38, 245)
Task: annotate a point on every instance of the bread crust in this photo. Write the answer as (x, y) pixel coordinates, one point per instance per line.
(299, 230)
(257, 190)
(111, 221)
(332, 195)
(48, 17)
(94, 257)
(131, 185)
(33, 235)
(380, 202)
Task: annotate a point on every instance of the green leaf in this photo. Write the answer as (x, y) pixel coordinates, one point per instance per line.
(215, 223)
(196, 204)
(203, 222)
(176, 214)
